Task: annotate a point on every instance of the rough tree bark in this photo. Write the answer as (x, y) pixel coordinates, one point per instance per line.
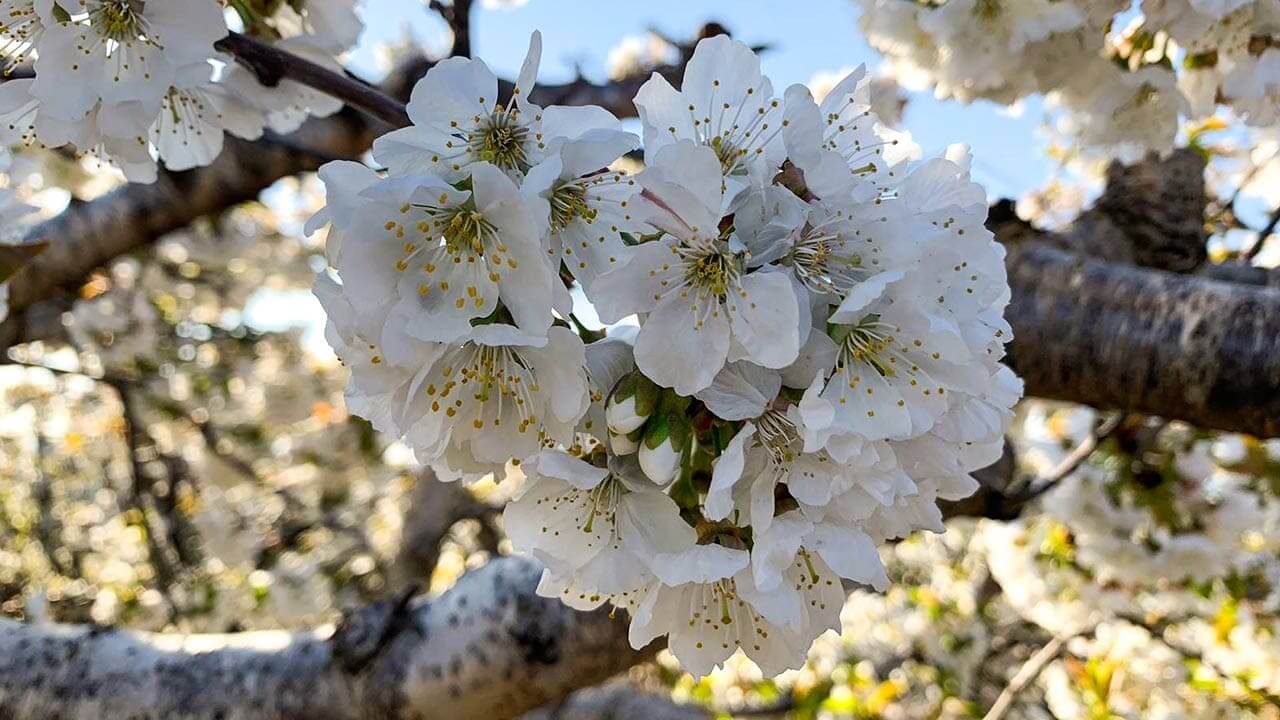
(488, 648)
(1120, 309)
(619, 701)
(1148, 341)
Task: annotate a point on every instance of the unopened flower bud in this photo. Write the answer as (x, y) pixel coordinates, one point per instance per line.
(662, 449)
(624, 444)
(631, 403)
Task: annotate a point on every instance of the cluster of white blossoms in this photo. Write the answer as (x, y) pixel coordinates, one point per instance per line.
(818, 354)
(1121, 79)
(1202, 518)
(133, 82)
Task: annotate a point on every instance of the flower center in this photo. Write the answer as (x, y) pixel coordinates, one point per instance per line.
(500, 139)
(467, 230)
(778, 436)
(604, 502)
(820, 263)
(569, 201)
(489, 381)
(19, 30)
(736, 128)
(711, 269)
(119, 20)
(729, 155)
(866, 343)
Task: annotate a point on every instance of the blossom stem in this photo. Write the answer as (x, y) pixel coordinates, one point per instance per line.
(271, 65)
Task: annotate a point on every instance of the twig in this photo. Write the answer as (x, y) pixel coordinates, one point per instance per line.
(1263, 235)
(271, 65)
(1249, 175)
(1026, 674)
(458, 16)
(135, 498)
(1069, 464)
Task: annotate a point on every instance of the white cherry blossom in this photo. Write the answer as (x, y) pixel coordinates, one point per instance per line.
(500, 394)
(450, 256)
(709, 606)
(599, 525)
(725, 104)
(817, 362)
(705, 307)
(458, 122)
(119, 51)
(588, 207)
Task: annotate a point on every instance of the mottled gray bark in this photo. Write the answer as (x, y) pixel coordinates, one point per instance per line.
(1151, 215)
(489, 648)
(1121, 310)
(1115, 336)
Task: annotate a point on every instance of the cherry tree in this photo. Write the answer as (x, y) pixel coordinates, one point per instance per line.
(817, 339)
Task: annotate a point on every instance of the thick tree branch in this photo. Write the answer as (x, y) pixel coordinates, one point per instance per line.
(434, 508)
(1151, 215)
(488, 648)
(1115, 336)
(617, 701)
(89, 234)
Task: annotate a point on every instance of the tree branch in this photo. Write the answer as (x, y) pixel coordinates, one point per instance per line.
(457, 14)
(271, 65)
(1113, 336)
(619, 700)
(488, 648)
(434, 507)
(1026, 674)
(1264, 235)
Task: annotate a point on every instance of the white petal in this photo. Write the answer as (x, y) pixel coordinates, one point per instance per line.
(741, 391)
(726, 473)
(851, 553)
(775, 549)
(563, 466)
(650, 524)
(861, 296)
(675, 352)
(700, 564)
(664, 113)
(766, 321)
